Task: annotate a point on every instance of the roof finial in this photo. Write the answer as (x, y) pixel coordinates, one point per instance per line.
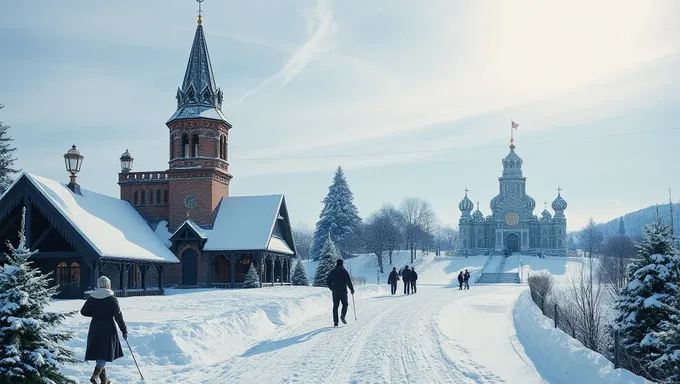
(558, 190)
(545, 205)
(466, 191)
(513, 127)
(200, 12)
(478, 205)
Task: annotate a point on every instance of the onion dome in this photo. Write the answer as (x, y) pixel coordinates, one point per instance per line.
(466, 205)
(531, 203)
(545, 215)
(559, 204)
(478, 216)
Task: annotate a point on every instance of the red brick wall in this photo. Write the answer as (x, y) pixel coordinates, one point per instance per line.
(209, 133)
(152, 212)
(207, 185)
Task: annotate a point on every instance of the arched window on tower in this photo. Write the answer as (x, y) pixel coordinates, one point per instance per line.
(165, 197)
(158, 196)
(219, 154)
(136, 198)
(151, 197)
(143, 202)
(194, 145)
(172, 147)
(185, 146)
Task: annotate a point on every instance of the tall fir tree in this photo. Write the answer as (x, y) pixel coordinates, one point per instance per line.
(329, 255)
(646, 306)
(622, 228)
(7, 159)
(300, 275)
(339, 218)
(252, 278)
(31, 349)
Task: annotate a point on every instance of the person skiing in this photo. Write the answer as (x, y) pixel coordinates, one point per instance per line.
(414, 277)
(460, 280)
(103, 344)
(338, 281)
(406, 276)
(392, 279)
(466, 279)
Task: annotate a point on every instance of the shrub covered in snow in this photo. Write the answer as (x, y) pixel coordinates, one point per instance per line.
(300, 275)
(648, 306)
(329, 255)
(31, 351)
(252, 279)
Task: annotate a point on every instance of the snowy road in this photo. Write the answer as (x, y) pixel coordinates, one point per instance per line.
(396, 339)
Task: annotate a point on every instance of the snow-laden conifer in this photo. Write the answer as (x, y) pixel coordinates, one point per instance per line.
(300, 275)
(31, 349)
(7, 158)
(252, 278)
(647, 305)
(329, 255)
(339, 217)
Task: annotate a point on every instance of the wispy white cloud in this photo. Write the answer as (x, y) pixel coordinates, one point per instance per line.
(320, 27)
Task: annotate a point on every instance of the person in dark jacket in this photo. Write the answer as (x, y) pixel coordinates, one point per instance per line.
(392, 280)
(103, 344)
(406, 276)
(338, 281)
(414, 277)
(460, 280)
(466, 279)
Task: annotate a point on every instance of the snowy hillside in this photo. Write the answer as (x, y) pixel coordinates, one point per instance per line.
(634, 222)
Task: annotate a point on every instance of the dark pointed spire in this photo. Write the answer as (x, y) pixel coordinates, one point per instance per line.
(199, 96)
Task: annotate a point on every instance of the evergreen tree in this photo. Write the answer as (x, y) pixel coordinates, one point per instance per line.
(622, 228)
(252, 278)
(300, 275)
(6, 158)
(329, 255)
(646, 306)
(31, 349)
(339, 217)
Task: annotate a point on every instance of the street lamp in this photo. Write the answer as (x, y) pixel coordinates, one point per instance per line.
(126, 160)
(73, 160)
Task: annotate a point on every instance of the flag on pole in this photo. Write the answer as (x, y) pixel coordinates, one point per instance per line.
(514, 125)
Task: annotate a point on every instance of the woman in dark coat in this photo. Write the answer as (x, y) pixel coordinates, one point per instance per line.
(392, 280)
(103, 344)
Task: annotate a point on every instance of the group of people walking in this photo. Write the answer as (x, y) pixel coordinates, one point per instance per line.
(464, 280)
(409, 275)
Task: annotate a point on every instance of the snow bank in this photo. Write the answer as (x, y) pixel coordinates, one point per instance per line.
(187, 329)
(557, 356)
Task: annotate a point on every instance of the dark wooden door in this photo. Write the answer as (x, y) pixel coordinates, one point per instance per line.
(189, 267)
(513, 242)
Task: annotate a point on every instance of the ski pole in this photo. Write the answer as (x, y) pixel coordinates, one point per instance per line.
(135, 360)
(354, 306)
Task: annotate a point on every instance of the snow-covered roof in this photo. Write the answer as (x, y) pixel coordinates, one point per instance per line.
(111, 226)
(246, 223)
(196, 111)
(195, 227)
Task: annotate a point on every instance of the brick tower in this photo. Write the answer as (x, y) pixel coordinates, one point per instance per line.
(198, 174)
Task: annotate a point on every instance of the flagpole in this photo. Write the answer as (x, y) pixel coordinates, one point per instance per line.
(512, 134)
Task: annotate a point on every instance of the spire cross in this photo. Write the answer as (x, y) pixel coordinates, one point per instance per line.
(559, 189)
(200, 11)
(466, 191)
(478, 205)
(545, 204)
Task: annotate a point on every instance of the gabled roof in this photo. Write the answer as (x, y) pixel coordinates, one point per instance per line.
(194, 229)
(248, 222)
(112, 227)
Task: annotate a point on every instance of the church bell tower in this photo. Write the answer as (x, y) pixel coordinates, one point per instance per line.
(198, 174)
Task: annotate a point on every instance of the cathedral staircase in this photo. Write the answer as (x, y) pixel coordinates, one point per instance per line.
(496, 272)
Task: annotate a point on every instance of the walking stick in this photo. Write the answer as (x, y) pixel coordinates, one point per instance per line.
(354, 306)
(135, 360)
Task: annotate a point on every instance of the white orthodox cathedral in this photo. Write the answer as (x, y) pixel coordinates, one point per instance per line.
(512, 225)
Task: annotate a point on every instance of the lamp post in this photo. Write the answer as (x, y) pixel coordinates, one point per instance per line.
(126, 161)
(73, 160)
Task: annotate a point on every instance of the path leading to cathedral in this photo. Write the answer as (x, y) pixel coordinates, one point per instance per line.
(439, 335)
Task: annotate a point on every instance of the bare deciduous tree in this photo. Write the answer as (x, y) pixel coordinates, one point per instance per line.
(419, 222)
(303, 236)
(585, 300)
(617, 253)
(591, 238)
(382, 232)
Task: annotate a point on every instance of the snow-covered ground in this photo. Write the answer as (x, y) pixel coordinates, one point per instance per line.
(285, 334)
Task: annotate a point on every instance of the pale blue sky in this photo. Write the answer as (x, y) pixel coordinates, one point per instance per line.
(319, 78)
